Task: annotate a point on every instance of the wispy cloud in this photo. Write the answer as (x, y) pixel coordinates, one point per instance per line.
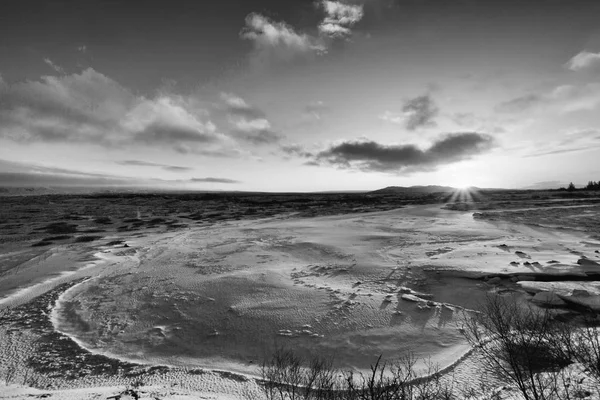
(16, 174)
(89, 107)
(316, 109)
(584, 60)
(55, 67)
(571, 142)
(213, 180)
(562, 99)
(368, 155)
(339, 19)
(166, 167)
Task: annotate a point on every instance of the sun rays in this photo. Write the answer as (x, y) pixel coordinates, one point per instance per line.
(464, 195)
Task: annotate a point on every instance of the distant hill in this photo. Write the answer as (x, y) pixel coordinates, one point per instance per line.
(414, 189)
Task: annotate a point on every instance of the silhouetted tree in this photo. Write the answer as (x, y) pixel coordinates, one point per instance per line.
(593, 185)
(571, 187)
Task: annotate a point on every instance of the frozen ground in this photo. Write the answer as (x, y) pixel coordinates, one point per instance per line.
(350, 286)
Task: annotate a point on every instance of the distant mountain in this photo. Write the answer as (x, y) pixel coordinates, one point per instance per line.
(414, 189)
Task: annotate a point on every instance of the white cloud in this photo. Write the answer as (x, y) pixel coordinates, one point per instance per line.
(585, 60)
(392, 117)
(249, 123)
(55, 67)
(90, 107)
(254, 125)
(278, 40)
(339, 18)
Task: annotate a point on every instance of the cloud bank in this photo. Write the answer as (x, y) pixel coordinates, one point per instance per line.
(89, 107)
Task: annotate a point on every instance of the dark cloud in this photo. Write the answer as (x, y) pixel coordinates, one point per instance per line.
(213, 180)
(173, 168)
(420, 112)
(373, 156)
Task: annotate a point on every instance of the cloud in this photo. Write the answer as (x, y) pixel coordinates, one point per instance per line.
(16, 174)
(572, 141)
(368, 155)
(340, 17)
(213, 180)
(277, 41)
(54, 66)
(173, 168)
(520, 103)
(296, 150)
(561, 99)
(585, 60)
(257, 131)
(315, 109)
(249, 123)
(394, 118)
(419, 112)
(236, 106)
(89, 107)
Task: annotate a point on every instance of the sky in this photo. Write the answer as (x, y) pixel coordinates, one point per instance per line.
(299, 95)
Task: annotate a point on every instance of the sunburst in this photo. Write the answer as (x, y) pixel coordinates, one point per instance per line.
(465, 194)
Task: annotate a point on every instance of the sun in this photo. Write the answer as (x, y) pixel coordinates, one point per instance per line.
(462, 185)
(463, 193)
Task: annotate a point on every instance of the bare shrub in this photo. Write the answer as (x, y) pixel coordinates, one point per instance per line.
(522, 345)
(286, 376)
(583, 346)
